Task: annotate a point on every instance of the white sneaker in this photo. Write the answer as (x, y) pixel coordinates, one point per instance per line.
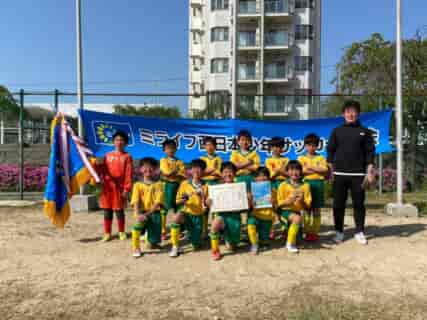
(339, 237)
(137, 253)
(174, 252)
(292, 248)
(254, 249)
(360, 237)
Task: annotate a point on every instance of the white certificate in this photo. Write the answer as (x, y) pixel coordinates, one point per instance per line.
(228, 197)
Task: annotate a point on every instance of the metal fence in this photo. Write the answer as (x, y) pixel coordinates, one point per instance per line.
(24, 133)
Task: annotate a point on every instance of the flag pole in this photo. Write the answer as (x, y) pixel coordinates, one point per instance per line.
(399, 129)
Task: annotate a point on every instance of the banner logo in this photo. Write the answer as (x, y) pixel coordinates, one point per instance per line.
(105, 130)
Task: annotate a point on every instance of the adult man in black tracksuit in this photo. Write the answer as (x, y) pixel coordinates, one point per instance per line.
(351, 152)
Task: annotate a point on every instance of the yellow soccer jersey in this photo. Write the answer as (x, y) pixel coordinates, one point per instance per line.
(267, 214)
(238, 156)
(194, 204)
(212, 162)
(286, 190)
(147, 194)
(315, 161)
(275, 163)
(169, 165)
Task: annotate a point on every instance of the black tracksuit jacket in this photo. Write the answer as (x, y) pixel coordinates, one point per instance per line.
(351, 148)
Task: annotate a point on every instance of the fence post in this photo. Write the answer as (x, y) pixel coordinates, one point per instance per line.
(21, 144)
(380, 159)
(56, 96)
(1, 131)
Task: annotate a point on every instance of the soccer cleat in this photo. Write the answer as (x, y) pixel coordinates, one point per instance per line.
(164, 236)
(315, 237)
(272, 235)
(292, 248)
(123, 236)
(309, 237)
(137, 253)
(254, 249)
(216, 255)
(174, 252)
(339, 237)
(360, 237)
(106, 237)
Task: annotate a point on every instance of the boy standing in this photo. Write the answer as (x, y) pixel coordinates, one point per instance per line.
(172, 172)
(147, 200)
(315, 168)
(115, 171)
(276, 164)
(245, 160)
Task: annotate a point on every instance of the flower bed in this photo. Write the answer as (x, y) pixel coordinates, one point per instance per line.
(34, 177)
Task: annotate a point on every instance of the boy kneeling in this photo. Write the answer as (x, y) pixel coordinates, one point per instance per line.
(190, 200)
(293, 197)
(147, 200)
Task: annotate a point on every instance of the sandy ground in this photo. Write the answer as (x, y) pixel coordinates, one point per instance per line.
(69, 274)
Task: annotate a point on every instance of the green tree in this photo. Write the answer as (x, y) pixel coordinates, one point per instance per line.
(9, 108)
(368, 68)
(148, 111)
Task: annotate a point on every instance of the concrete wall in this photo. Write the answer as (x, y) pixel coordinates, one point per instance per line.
(34, 154)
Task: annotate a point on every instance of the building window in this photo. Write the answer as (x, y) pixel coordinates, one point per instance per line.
(248, 7)
(303, 63)
(219, 65)
(303, 96)
(303, 4)
(219, 5)
(219, 34)
(277, 37)
(275, 70)
(304, 32)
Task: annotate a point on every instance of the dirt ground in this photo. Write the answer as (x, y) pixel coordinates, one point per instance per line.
(47, 273)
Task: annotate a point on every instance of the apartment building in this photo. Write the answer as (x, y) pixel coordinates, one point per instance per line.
(275, 46)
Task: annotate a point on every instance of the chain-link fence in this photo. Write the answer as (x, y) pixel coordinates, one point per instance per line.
(25, 125)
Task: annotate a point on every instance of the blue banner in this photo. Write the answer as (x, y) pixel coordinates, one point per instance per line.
(147, 134)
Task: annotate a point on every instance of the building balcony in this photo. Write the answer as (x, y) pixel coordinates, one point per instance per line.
(196, 3)
(248, 73)
(249, 41)
(196, 24)
(249, 9)
(279, 10)
(278, 40)
(249, 103)
(278, 105)
(196, 50)
(196, 77)
(278, 72)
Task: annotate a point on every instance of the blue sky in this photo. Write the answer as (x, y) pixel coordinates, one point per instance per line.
(130, 43)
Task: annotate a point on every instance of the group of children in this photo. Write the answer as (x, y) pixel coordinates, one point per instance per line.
(296, 192)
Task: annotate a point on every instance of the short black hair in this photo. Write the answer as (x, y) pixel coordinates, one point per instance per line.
(198, 163)
(351, 104)
(210, 140)
(169, 142)
(149, 161)
(244, 133)
(122, 135)
(262, 171)
(294, 164)
(277, 142)
(228, 165)
(312, 138)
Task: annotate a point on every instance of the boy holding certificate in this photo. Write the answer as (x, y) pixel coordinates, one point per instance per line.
(315, 169)
(245, 160)
(262, 215)
(228, 223)
(191, 198)
(293, 198)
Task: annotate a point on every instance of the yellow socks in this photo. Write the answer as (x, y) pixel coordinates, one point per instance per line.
(175, 230)
(308, 228)
(163, 221)
(253, 237)
(215, 242)
(292, 233)
(135, 239)
(316, 224)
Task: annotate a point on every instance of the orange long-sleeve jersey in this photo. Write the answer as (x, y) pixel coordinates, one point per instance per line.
(116, 176)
